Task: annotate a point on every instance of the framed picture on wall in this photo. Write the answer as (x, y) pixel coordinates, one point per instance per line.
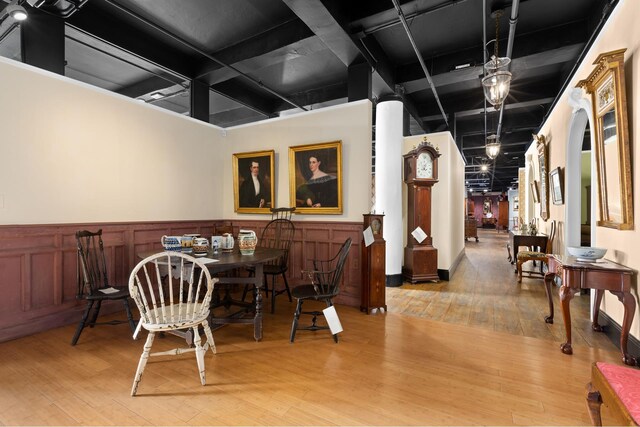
(315, 178)
(535, 192)
(516, 203)
(253, 181)
(557, 186)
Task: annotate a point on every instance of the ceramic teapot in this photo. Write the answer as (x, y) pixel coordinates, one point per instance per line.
(247, 242)
(227, 242)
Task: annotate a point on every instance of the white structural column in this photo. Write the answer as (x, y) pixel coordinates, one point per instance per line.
(389, 182)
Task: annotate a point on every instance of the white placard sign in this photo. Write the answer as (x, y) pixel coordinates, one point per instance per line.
(419, 234)
(368, 236)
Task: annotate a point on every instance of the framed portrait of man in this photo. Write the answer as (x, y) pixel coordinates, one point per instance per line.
(315, 178)
(253, 181)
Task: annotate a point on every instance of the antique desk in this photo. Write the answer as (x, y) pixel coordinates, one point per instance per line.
(604, 276)
(517, 239)
(229, 261)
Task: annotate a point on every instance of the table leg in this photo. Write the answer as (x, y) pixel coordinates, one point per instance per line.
(596, 311)
(629, 303)
(515, 253)
(548, 280)
(566, 294)
(257, 320)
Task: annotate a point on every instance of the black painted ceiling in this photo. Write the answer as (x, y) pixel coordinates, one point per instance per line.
(288, 53)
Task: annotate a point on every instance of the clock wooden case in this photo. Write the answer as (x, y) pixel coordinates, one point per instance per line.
(373, 267)
(420, 175)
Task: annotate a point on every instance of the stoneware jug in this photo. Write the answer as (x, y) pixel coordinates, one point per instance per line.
(227, 242)
(247, 242)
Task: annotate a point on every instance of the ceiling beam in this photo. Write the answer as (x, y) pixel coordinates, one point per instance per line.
(327, 21)
(286, 36)
(527, 63)
(94, 21)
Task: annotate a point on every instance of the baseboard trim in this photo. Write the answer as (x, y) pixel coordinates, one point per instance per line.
(613, 331)
(448, 274)
(393, 280)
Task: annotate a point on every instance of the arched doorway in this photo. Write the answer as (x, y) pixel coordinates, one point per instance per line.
(579, 205)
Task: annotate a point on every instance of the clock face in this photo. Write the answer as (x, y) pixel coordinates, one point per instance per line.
(424, 166)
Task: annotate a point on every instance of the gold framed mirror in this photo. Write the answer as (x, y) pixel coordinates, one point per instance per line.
(606, 85)
(543, 165)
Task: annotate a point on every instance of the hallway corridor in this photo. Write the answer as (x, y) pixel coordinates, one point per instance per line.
(484, 293)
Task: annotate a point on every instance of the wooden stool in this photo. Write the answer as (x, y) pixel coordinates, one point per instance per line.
(616, 386)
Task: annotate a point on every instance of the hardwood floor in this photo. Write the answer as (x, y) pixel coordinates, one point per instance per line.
(484, 293)
(472, 351)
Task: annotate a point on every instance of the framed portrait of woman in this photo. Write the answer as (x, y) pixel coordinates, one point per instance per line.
(253, 181)
(315, 178)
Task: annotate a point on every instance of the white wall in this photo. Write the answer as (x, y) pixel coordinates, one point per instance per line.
(447, 202)
(350, 123)
(620, 31)
(70, 152)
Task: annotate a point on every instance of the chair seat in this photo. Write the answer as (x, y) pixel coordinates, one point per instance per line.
(532, 255)
(625, 382)
(178, 320)
(304, 291)
(122, 293)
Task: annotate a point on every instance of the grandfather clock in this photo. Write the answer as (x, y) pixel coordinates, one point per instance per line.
(420, 174)
(373, 264)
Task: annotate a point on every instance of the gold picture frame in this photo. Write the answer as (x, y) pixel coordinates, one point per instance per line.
(315, 178)
(535, 192)
(245, 198)
(606, 85)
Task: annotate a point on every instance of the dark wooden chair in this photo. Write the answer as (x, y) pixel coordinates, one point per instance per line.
(325, 285)
(541, 256)
(277, 234)
(618, 387)
(93, 283)
(282, 213)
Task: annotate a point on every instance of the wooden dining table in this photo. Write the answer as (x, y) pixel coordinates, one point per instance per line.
(234, 261)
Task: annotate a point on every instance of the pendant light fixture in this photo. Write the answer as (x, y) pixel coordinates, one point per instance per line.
(498, 80)
(493, 146)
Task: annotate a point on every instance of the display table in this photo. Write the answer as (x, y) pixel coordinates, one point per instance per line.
(605, 276)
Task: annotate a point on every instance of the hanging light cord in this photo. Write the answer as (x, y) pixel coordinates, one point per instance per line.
(495, 46)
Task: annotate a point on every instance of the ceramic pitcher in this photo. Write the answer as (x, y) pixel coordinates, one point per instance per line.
(247, 242)
(227, 242)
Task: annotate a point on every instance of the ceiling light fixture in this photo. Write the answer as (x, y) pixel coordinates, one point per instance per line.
(484, 168)
(493, 146)
(496, 84)
(156, 95)
(15, 11)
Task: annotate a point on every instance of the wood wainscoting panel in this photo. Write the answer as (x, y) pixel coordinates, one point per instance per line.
(38, 264)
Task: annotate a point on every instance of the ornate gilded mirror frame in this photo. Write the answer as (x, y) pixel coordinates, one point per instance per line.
(543, 164)
(606, 85)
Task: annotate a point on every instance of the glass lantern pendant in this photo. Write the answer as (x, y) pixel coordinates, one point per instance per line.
(492, 147)
(496, 87)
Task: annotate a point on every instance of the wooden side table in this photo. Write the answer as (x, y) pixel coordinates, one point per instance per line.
(608, 276)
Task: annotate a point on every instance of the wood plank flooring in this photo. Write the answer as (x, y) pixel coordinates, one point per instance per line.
(473, 351)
